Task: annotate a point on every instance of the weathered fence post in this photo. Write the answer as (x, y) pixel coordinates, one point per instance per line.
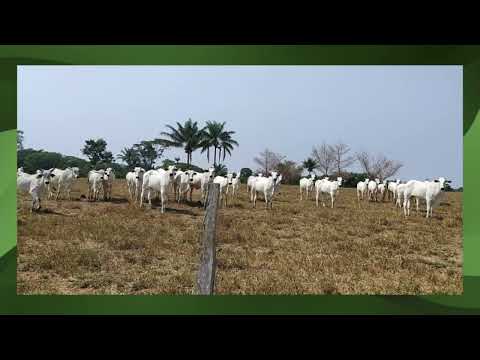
(208, 262)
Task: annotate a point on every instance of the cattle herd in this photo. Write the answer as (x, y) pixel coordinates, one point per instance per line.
(143, 185)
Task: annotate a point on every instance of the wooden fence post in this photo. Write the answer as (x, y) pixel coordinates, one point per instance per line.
(208, 262)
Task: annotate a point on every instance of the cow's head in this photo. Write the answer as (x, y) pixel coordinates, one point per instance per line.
(172, 170)
(339, 180)
(377, 180)
(139, 172)
(191, 175)
(274, 175)
(442, 182)
(229, 178)
(76, 172)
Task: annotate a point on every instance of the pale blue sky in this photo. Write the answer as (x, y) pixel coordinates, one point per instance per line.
(410, 113)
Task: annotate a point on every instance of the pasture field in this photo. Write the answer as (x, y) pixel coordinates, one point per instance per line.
(80, 247)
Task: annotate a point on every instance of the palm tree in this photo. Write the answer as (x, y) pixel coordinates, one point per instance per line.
(220, 170)
(130, 156)
(187, 136)
(310, 164)
(215, 136)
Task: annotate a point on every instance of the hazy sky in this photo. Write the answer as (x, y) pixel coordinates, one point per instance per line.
(409, 113)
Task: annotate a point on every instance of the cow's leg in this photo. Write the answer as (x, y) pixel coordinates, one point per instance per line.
(266, 199)
(301, 198)
(429, 206)
(58, 190)
(332, 197)
(254, 198)
(316, 198)
(417, 200)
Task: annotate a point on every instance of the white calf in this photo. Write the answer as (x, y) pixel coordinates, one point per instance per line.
(35, 185)
(224, 182)
(329, 187)
(183, 187)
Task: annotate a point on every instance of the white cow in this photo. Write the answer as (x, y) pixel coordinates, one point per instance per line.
(381, 188)
(35, 185)
(96, 180)
(329, 187)
(431, 191)
(235, 184)
(392, 189)
(183, 185)
(200, 181)
(266, 185)
(306, 185)
(372, 187)
(224, 182)
(134, 182)
(159, 181)
(361, 189)
(108, 183)
(63, 180)
(399, 195)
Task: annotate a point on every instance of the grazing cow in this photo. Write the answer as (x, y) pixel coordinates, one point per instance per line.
(35, 185)
(266, 185)
(159, 181)
(63, 180)
(361, 189)
(108, 183)
(329, 187)
(431, 191)
(96, 181)
(306, 185)
(134, 182)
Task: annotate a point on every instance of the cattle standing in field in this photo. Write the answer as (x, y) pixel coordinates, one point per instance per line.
(134, 182)
(35, 185)
(224, 182)
(234, 184)
(392, 190)
(306, 185)
(431, 191)
(159, 181)
(200, 181)
(266, 186)
(251, 180)
(96, 180)
(109, 179)
(183, 184)
(329, 187)
(361, 189)
(372, 189)
(63, 180)
(399, 195)
(381, 188)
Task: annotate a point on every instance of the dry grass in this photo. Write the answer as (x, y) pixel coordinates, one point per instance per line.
(77, 247)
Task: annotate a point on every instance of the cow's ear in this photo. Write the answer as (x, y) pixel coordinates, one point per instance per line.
(39, 176)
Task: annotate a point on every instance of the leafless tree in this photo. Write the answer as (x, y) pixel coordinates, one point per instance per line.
(268, 161)
(341, 159)
(323, 155)
(378, 166)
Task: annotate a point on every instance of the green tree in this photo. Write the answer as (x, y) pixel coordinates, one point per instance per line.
(245, 173)
(130, 156)
(188, 136)
(215, 136)
(291, 172)
(220, 170)
(148, 152)
(310, 165)
(96, 151)
(19, 140)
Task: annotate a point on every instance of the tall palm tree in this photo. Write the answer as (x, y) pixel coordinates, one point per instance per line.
(188, 136)
(215, 135)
